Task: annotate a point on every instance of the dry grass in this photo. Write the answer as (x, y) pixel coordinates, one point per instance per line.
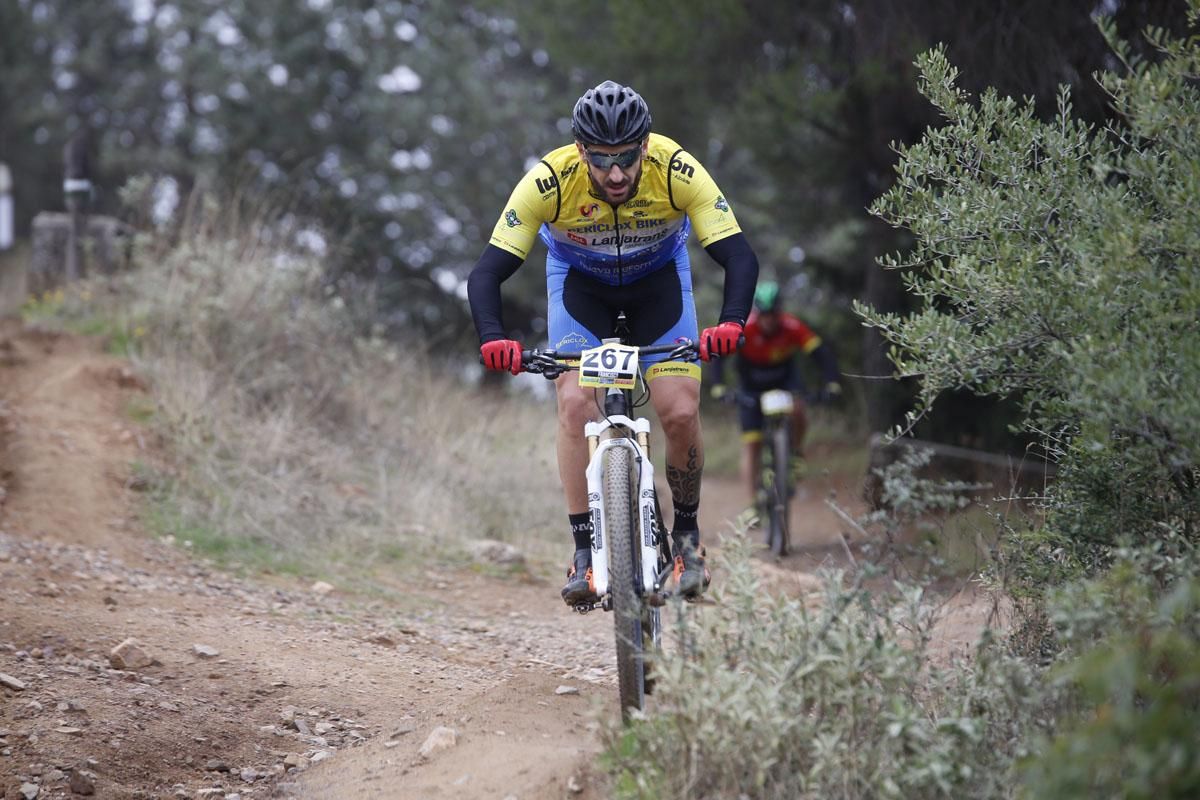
(297, 441)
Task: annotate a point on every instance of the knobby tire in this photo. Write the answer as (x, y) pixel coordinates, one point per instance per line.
(780, 490)
(624, 576)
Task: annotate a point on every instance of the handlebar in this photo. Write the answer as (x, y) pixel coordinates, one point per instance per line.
(551, 363)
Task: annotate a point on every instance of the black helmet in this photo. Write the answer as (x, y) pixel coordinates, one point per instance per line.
(610, 114)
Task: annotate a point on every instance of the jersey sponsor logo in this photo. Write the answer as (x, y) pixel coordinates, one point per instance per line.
(572, 339)
(547, 185)
(683, 168)
(569, 171)
(641, 213)
(640, 202)
(721, 204)
(575, 237)
(511, 218)
(588, 209)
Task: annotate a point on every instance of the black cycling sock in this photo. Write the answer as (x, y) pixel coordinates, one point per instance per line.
(686, 522)
(581, 529)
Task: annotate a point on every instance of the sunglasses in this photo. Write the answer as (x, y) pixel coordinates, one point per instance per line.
(624, 159)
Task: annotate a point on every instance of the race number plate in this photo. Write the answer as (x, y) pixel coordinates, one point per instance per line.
(609, 365)
(776, 401)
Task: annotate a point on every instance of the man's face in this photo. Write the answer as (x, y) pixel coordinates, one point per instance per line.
(612, 181)
(768, 323)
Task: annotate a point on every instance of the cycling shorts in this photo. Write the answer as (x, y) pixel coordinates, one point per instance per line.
(659, 309)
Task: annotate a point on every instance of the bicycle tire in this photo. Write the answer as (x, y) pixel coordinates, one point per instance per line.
(624, 578)
(651, 615)
(780, 490)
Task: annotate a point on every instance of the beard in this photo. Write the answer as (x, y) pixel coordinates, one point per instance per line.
(603, 192)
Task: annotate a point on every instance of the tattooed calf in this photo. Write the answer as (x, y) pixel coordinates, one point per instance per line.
(685, 483)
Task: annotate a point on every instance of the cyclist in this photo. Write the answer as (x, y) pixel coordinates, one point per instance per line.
(767, 361)
(615, 208)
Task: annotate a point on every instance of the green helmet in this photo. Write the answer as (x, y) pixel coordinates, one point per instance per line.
(766, 297)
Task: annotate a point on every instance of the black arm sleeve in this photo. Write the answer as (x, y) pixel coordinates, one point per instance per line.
(827, 361)
(493, 268)
(736, 257)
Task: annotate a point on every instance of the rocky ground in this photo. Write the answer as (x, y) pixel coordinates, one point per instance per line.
(130, 669)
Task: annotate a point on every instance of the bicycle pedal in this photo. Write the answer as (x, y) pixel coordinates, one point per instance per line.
(585, 608)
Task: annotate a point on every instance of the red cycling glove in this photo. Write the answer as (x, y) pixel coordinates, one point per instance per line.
(502, 354)
(723, 340)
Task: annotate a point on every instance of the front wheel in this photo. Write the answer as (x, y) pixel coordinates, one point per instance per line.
(624, 578)
(779, 492)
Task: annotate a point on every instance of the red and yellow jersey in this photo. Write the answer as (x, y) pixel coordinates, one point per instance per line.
(792, 337)
(615, 244)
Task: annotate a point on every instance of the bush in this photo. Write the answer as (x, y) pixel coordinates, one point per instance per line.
(833, 697)
(1132, 669)
(1059, 263)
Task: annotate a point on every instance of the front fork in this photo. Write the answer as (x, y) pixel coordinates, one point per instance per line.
(639, 448)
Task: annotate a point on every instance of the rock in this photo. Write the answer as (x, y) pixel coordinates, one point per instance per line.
(248, 774)
(29, 791)
(320, 756)
(129, 655)
(216, 765)
(9, 682)
(321, 587)
(441, 738)
(83, 781)
(403, 728)
(491, 551)
(69, 730)
(566, 690)
(205, 651)
(302, 726)
(322, 728)
(288, 713)
(574, 786)
(295, 760)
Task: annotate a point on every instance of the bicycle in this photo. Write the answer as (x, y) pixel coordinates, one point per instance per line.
(631, 550)
(775, 476)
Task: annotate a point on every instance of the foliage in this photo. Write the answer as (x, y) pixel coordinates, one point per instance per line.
(1060, 263)
(1133, 637)
(1057, 261)
(825, 696)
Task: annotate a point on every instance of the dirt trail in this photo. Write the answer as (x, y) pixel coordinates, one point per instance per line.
(264, 687)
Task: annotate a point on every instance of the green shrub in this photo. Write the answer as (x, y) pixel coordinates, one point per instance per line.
(1060, 263)
(1133, 670)
(830, 697)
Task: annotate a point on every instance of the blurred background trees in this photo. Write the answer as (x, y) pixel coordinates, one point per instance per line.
(398, 129)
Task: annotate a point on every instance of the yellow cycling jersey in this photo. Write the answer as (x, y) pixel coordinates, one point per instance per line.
(615, 244)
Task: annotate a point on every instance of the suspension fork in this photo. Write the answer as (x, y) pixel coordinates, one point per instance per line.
(639, 445)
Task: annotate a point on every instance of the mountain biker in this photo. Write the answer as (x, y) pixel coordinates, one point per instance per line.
(615, 208)
(767, 361)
